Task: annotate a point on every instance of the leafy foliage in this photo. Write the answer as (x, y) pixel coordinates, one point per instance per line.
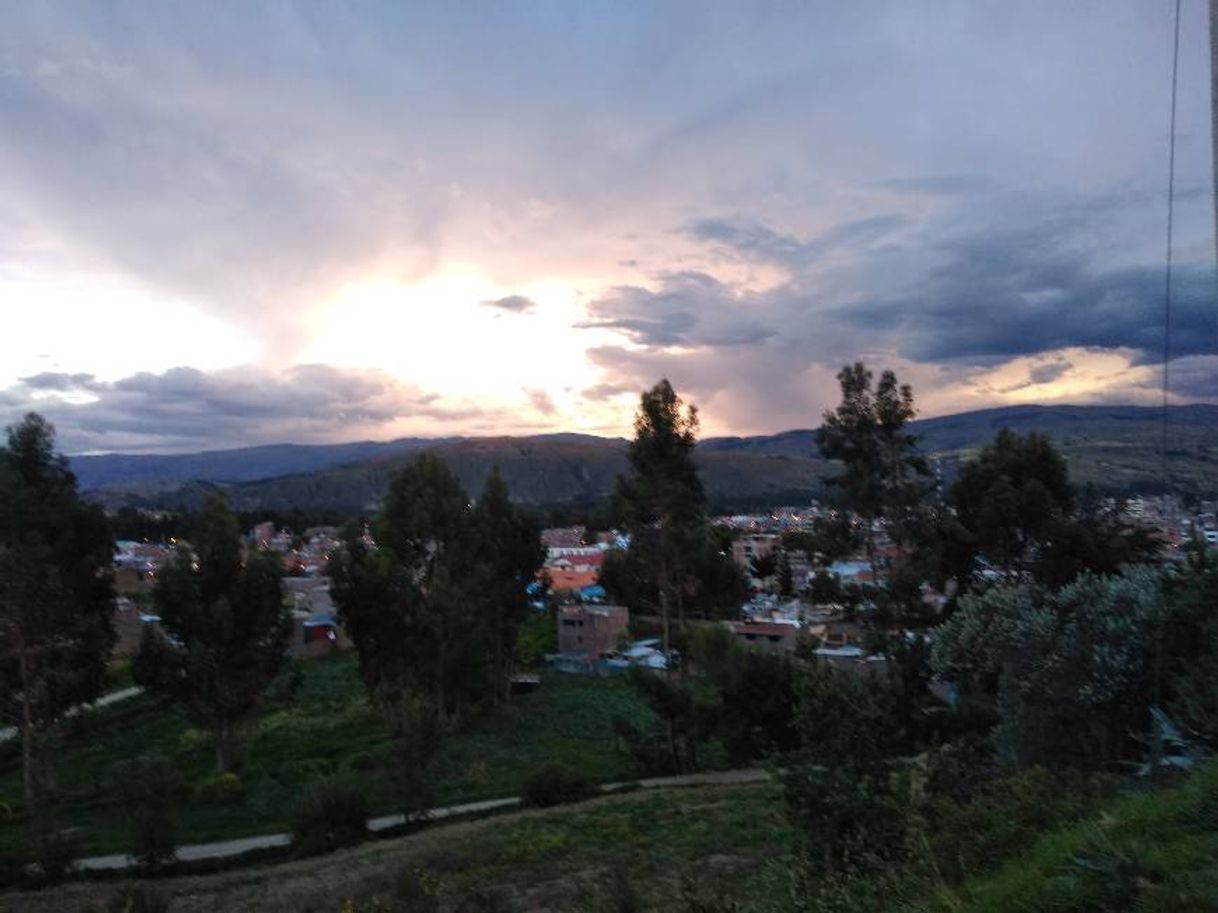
(434, 598)
(842, 791)
(144, 791)
(554, 784)
(56, 594)
(329, 815)
(674, 561)
(1071, 668)
(1012, 495)
(226, 624)
(882, 471)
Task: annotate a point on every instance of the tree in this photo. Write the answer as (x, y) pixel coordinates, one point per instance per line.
(507, 555)
(763, 567)
(786, 577)
(882, 475)
(401, 591)
(226, 627)
(434, 596)
(56, 592)
(663, 502)
(1011, 496)
(839, 785)
(1014, 505)
(1072, 669)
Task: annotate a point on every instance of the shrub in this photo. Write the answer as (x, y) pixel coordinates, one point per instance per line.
(554, 784)
(303, 770)
(414, 754)
(219, 789)
(143, 788)
(1004, 817)
(361, 762)
(329, 815)
(55, 852)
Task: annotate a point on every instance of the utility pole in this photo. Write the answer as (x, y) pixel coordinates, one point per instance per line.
(1214, 110)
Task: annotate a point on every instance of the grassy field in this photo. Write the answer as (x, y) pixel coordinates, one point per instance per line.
(1153, 853)
(730, 841)
(326, 728)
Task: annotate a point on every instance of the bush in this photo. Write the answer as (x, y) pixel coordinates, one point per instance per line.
(143, 788)
(361, 762)
(219, 789)
(331, 814)
(55, 852)
(303, 770)
(414, 754)
(554, 784)
(971, 836)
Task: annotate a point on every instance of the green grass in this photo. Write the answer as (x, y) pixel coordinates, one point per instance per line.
(327, 728)
(1156, 852)
(723, 838)
(731, 841)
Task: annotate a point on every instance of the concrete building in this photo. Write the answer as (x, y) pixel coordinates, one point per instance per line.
(591, 630)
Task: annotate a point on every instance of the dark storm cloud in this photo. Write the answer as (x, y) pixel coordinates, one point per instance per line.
(1190, 378)
(58, 381)
(185, 409)
(687, 309)
(1047, 373)
(757, 242)
(513, 304)
(945, 184)
(1012, 293)
(1041, 374)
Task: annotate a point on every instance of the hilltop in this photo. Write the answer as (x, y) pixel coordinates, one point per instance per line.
(1115, 448)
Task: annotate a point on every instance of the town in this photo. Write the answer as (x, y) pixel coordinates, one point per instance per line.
(692, 645)
(636, 457)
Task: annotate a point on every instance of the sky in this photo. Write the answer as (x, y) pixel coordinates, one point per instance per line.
(233, 223)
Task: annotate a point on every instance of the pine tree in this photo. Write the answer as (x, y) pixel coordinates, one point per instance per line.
(663, 502)
(226, 624)
(56, 592)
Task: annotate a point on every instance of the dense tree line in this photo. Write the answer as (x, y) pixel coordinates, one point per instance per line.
(433, 591)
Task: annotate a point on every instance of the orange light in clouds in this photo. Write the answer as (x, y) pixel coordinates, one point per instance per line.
(1091, 374)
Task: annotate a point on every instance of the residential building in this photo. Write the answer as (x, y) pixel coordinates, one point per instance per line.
(591, 630)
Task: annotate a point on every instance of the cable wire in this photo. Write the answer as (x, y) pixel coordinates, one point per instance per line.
(1171, 206)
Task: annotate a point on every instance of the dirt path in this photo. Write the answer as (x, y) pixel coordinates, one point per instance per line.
(321, 884)
(10, 732)
(224, 848)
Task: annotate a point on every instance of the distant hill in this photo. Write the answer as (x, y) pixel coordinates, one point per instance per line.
(1115, 448)
(241, 465)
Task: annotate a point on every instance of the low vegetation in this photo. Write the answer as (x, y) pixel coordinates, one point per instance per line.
(320, 726)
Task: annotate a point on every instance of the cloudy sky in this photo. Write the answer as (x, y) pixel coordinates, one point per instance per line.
(237, 223)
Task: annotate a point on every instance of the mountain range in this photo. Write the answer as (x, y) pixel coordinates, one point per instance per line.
(1116, 448)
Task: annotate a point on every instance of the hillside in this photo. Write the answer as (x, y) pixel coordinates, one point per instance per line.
(1115, 448)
